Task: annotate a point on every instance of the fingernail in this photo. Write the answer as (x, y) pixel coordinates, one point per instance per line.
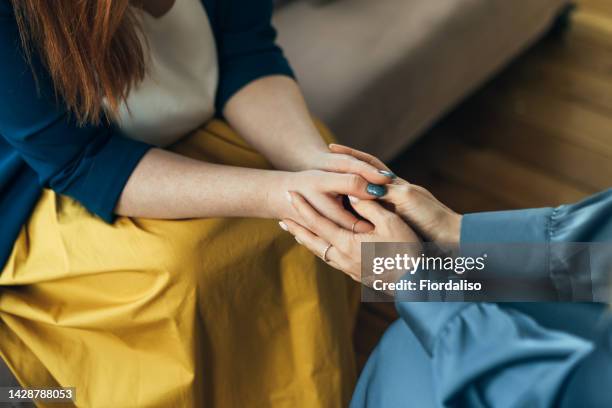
(388, 174)
(283, 225)
(376, 190)
(353, 199)
(288, 196)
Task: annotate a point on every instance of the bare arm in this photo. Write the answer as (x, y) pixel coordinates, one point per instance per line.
(271, 114)
(170, 186)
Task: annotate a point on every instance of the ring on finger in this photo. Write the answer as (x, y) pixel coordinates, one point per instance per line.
(324, 256)
(354, 225)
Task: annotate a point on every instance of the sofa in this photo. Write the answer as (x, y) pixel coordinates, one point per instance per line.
(380, 72)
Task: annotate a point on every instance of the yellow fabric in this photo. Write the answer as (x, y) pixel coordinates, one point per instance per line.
(150, 313)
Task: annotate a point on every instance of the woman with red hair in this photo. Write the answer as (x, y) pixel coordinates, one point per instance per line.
(128, 130)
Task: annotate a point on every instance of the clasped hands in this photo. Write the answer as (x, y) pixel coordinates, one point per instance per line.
(399, 212)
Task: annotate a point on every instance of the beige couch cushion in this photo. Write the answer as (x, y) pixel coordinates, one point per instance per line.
(379, 72)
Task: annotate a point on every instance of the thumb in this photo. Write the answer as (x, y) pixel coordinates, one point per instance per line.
(373, 211)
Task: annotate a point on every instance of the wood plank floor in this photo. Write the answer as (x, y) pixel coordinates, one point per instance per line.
(540, 134)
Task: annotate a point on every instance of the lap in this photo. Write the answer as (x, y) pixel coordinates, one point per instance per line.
(398, 373)
(80, 295)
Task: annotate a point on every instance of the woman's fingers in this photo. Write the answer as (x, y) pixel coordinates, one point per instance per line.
(410, 196)
(315, 244)
(362, 227)
(396, 194)
(331, 210)
(342, 163)
(321, 224)
(352, 185)
(366, 157)
(402, 192)
(375, 213)
(323, 249)
(389, 227)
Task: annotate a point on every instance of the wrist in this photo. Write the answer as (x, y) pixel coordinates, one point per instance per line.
(307, 158)
(452, 231)
(275, 205)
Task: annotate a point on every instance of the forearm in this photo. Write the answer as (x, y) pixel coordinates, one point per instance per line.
(166, 185)
(271, 114)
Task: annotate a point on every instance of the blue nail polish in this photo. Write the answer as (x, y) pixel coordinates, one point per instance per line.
(387, 174)
(376, 190)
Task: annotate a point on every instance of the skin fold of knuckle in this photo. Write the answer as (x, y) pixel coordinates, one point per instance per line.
(404, 190)
(389, 221)
(342, 246)
(356, 184)
(309, 223)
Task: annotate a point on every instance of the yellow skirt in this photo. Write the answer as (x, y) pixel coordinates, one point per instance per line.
(152, 313)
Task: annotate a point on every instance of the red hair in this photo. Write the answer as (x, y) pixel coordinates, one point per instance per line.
(91, 48)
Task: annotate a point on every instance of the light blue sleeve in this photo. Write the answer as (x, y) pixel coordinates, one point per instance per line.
(568, 249)
(487, 356)
(586, 221)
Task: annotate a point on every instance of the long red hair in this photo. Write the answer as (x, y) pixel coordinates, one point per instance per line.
(91, 48)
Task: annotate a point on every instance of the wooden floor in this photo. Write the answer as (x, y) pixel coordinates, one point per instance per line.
(540, 134)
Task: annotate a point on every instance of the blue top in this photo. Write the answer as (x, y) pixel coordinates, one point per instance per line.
(502, 355)
(41, 145)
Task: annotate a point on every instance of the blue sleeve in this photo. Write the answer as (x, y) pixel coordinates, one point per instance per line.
(246, 43)
(586, 221)
(567, 245)
(90, 163)
(485, 356)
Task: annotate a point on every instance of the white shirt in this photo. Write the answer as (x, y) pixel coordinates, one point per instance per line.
(178, 92)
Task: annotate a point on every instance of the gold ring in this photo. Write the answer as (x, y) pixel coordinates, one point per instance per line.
(325, 253)
(354, 225)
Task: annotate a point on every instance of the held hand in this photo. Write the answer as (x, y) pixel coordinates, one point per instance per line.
(339, 247)
(338, 159)
(324, 191)
(339, 162)
(417, 206)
